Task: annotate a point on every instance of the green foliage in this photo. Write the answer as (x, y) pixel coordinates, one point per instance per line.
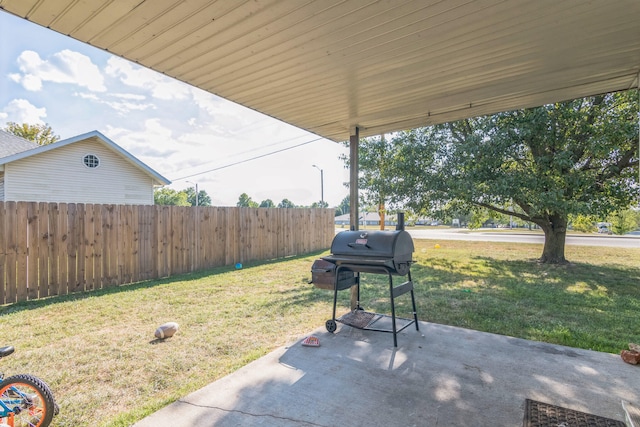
(478, 218)
(584, 223)
(376, 175)
(286, 203)
(343, 207)
(40, 134)
(268, 203)
(244, 201)
(570, 158)
(203, 198)
(623, 221)
(187, 197)
(169, 196)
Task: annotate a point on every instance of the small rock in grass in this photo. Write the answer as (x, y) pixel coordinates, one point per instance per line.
(166, 330)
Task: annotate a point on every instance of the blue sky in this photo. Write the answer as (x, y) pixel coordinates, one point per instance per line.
(184, 133)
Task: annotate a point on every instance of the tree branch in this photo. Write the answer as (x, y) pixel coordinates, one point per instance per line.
(504, 211)
(615, 169)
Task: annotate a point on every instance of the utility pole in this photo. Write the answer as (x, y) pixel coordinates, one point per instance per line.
(196, 184)
(321, 184)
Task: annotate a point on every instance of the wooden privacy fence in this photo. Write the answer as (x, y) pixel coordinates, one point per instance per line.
(58, 248)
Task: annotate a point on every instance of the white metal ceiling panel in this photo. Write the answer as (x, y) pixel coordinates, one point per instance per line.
(330, 65)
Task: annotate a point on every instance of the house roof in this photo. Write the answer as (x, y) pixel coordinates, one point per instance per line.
(367, 216)
(93, 136)
(11, 144)
(329, 66)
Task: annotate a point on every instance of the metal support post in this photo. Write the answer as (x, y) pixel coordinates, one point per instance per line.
(353, 199)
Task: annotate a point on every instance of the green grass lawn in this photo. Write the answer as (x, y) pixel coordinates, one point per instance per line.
(98, 353)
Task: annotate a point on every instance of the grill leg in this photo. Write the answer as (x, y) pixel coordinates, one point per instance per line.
(358, 307)
(335, 292)
(393, 310)
(413, 303)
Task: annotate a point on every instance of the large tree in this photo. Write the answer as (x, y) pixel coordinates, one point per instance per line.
(186, 197)
(343, 207)
(244, 201)
(40, 134)
(203, 198)
(171, 197)
(540, 164)
(624, 221)
(376, 173)
(286, 203)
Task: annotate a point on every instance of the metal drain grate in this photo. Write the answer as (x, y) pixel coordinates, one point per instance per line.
(539, 414)
(357, 318)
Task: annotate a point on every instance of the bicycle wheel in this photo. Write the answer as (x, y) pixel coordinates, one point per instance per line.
(30, 399)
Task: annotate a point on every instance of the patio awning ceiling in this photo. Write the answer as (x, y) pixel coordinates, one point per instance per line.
(331, 65)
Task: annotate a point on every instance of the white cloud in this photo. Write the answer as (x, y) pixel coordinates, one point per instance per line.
(160, 86)
(28, 81)
(208, 102)
(84, 95)
(22, 111)
(226, 118)
(131, 96)
(65, 66)
(122, 107)
(127, 107)
(154, 144)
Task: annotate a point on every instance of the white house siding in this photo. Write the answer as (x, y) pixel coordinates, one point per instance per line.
(60, 176)
(1, 186)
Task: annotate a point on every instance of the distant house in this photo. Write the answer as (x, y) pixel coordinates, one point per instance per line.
(88, 168)
(365, 218)
(342, 219)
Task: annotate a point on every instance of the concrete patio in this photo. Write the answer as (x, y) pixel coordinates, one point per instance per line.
(438, 376)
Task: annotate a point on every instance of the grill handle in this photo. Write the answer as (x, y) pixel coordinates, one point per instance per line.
(358, 245)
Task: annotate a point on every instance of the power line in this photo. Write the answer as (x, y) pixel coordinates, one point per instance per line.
(252, 150)
(247, 160)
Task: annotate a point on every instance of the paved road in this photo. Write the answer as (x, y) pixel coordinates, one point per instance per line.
(525, 237)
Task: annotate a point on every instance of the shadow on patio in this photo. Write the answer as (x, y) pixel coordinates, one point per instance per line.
(438, 376)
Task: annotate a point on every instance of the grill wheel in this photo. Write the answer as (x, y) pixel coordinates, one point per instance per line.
(331, 325)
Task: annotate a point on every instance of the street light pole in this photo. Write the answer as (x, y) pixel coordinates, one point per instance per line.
(196, 184)
(321, 184)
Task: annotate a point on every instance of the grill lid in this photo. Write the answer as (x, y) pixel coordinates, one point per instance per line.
(395, 245)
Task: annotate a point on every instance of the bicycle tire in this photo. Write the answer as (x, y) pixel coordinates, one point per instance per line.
(37, 409)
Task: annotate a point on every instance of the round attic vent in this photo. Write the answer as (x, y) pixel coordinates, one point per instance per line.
(91, 161)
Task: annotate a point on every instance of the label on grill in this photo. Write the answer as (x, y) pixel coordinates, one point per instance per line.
(361, 241)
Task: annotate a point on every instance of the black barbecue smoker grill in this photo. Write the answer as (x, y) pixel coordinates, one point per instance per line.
(378, 252)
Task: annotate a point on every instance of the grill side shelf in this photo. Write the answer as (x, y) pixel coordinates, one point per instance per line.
(403, 288)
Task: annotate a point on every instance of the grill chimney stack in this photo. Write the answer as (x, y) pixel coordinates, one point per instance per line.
(400, 224)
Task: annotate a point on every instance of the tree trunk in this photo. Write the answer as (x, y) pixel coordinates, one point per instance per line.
(555, 233)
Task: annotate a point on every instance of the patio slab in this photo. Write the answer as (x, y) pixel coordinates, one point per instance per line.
(438, 376)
